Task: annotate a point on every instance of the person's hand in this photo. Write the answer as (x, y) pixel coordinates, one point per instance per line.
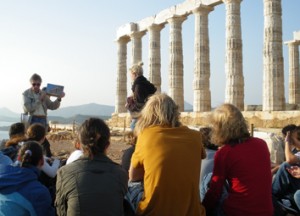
(288, 137)
(42, 96)
(294, 171)
(62, 95)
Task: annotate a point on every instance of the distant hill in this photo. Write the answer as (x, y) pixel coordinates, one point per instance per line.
(188, 107)
(91, 109)
(66, 114)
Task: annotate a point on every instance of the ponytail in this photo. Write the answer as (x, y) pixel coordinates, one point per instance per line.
(30, 154)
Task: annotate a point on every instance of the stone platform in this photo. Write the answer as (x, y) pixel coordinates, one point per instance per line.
(259, 119)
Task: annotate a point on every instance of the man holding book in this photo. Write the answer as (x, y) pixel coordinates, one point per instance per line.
(36, 102)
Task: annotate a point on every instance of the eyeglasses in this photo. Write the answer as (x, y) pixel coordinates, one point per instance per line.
(36, 84)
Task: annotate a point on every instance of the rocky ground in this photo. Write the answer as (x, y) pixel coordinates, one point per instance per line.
(62, 144)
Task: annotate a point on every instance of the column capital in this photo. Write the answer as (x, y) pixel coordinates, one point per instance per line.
(137, 34)
(155, 27)
(292, 42)
(124, 39)
(178, 19)
(203, 9)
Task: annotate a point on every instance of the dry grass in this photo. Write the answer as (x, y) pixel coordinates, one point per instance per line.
(63, 147)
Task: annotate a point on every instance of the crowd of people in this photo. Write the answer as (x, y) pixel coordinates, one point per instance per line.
(170, 169)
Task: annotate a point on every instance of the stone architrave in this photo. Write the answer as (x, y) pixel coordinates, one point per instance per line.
(154, 55)
(202, 95)
(121, 93)
(273, 78)
(294, 78)
(136, 47)
(176, 61)
(234, 92)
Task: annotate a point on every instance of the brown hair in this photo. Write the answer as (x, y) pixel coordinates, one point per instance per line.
(228, 125)
(35, 77)
(30, 154)
(94, 136)
(36, 132)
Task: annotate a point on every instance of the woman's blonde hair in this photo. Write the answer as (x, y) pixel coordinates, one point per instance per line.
(137, 69)
(228, 125)
(160, 109)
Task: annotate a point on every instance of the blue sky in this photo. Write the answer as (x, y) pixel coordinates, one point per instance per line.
(71, 43)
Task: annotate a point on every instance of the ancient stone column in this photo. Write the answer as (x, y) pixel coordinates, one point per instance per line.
(202, 96)
(154, 55)
(294, 78)
(136, 47)
(176, 61)
(234, 92)
(273, 79)
(121, 93)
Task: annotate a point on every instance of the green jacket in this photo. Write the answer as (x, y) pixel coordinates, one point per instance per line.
(91, 187)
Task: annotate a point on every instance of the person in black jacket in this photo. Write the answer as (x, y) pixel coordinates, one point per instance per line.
(141, 90)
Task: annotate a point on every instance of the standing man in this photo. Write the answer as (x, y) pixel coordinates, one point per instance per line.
(36, 102)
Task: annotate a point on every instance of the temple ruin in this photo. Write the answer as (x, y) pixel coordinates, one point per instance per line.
(273, 100)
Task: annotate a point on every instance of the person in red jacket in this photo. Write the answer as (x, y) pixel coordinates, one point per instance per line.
(241, 161)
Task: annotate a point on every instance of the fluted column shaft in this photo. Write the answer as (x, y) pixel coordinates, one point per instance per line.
(234, 92)
(121, 93)
(273, 79)
(136, 47)
(294, 78)
(201, 86)
(154, 55)
(176, 90)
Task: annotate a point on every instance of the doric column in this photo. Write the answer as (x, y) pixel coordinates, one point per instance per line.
(202, 96)
(121, 93)
(294, 78)
(176, 61)
(234, 92)
(136, 47)
(273, 79)
(154, 55)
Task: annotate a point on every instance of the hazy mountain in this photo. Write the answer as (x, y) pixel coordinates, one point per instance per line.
(7, 113)
(188, 107)
(66, 114)
(91, 109)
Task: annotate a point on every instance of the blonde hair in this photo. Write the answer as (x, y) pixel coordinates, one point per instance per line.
(228, 125)
(137, 69)
(160, 109)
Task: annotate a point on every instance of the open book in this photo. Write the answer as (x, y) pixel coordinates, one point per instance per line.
(54, 90)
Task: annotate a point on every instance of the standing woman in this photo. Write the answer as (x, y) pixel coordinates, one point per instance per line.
(243, 162)
(20, 191)
(141, 90)
(93, 184)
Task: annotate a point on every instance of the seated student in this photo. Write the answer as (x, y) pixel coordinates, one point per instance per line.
(284, 131)
(127, 154)
(5, 160)
(243, 162)
(15, 130)
(207, 163)
(16, 137)
(75, 154)
(167, 159)
(93, 184)
(20, 191)
(37, 132)
(286, 184)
